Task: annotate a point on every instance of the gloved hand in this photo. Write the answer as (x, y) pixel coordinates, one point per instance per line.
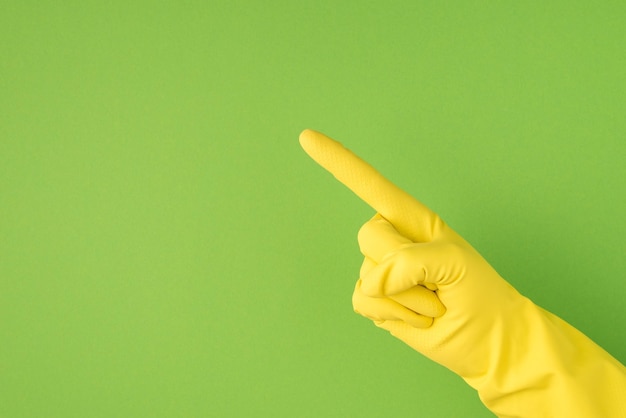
(428, 287)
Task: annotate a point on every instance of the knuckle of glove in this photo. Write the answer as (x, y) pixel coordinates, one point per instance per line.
(388, 277)
(362, 305)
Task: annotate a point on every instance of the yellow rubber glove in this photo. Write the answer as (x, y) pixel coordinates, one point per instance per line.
(522, 360)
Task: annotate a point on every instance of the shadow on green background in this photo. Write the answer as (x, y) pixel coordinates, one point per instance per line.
(166, 249)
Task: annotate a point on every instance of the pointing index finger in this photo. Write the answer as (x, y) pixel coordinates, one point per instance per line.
(410, 217)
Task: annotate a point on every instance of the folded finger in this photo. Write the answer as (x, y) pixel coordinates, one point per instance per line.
(367, 266)
(383, 309)
(422, 300)
(378, 238)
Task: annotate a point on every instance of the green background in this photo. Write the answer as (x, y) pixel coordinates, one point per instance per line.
(167, 249)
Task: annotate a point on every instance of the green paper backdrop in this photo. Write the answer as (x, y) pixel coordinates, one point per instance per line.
(167, 250)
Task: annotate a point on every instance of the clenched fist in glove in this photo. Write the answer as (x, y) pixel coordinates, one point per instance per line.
(428, 287)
